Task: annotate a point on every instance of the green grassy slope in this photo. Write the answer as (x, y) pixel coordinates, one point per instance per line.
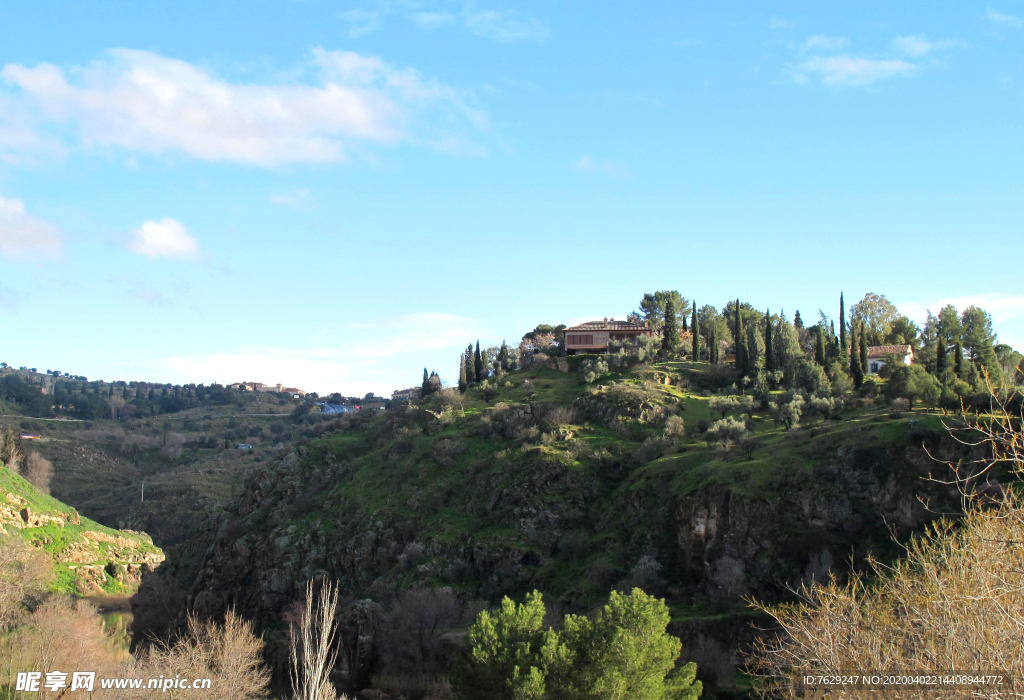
(88, 557)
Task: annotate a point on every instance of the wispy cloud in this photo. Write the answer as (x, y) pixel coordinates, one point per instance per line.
(780, 23)
(916, 45)
(414, 333)
(587, 164)
(295, 198)
(822, 42)
(164, 238)
(1001, 306)
(349, 367)
(504, 26)
(8, 299)
(23, 236)
(499, 25)
(849, 71)
(433, 20)
(1002, 19)
(360, 21)
(146, 103)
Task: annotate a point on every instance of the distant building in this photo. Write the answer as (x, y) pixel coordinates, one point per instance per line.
(410, 394)
(878, 355)
(296, 393)
(331, 408)
(594, 336)
(244, 446)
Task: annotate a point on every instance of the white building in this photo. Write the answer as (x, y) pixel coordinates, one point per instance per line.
(878, 355)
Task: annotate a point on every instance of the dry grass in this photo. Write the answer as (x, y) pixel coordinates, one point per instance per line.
(953, 604)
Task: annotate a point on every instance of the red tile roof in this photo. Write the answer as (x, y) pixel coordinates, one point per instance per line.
(883, 350)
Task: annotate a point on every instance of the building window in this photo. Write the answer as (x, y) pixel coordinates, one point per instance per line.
(874, 367)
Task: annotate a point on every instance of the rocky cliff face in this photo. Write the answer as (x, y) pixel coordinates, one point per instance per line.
(513, 528)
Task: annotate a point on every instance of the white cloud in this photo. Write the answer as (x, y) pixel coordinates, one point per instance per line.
(24, 236)
(997, 17)
(296, 198)
(361, 22)
(821, 42)
(846, 70)
(917, 45)
(167, 238)
(143, 102)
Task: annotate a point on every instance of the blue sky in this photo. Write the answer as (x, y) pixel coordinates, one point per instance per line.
(333, 195)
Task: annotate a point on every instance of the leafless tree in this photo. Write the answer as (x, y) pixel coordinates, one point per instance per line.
(38, 471)
(313, 648)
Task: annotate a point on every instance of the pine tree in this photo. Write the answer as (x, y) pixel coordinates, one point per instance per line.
(940, 356)
(863, 348)
(842, 326)
(670, 330)
(958, 359)
(478, 364)
(769, 357)
(798, 322)
(696, 334)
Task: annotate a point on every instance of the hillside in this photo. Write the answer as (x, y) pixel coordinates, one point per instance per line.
(542, 480)
(155, 472)
(89, 558)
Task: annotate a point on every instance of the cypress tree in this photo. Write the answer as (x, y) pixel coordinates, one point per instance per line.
(742, 347)
(856, 370)
(463, 383)
(503, 357)
(426, 381)
(940, 356)
(696, 334)
(958, 359)
(863, 348)
(470, 367)
(769, 358)
(842, 324)
(819, 347)
(670, 330)
(712, 345)
(798, 322)
(478, 364)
